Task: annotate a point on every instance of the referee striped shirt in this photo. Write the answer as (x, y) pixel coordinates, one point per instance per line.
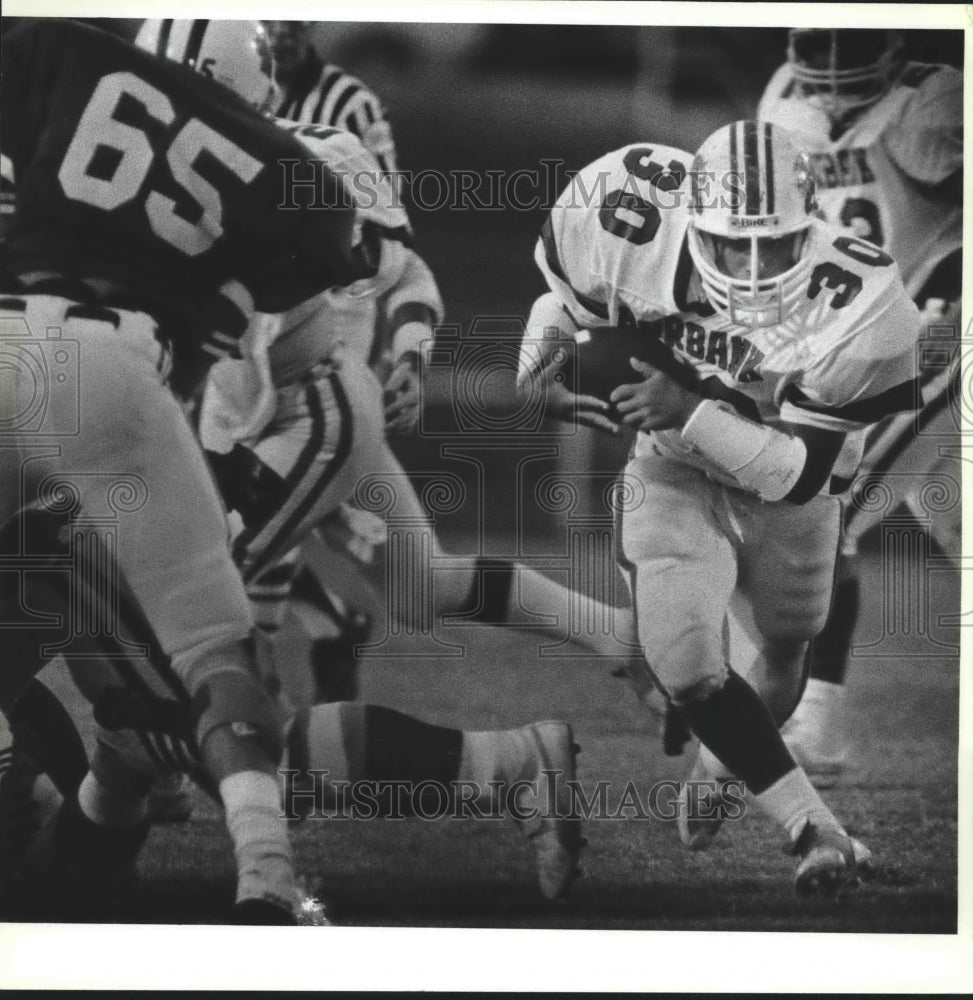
(324, 94)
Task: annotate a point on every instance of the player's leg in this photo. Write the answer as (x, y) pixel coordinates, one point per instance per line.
(325, 437)
(467, 589)
(86, 854)
(46, 764)
(142, 469)
(410, 767)
(787, 566)
(308, 468)
(678, 547)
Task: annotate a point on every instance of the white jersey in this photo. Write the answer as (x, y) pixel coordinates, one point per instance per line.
(878, 177)
(614, 251)
(240, 396)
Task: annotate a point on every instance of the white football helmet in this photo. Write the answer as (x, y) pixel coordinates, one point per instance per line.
(234, 53)
(751, 229)
(842, 71)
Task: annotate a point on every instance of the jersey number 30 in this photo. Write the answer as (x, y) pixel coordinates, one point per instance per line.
(108, 161)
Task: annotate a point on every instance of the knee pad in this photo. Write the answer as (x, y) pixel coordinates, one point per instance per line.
(699, 690)
(688, 661)
(489, 595)
(227, 691)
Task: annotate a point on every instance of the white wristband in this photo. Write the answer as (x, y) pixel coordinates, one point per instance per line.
(410, 337)
(762, 460)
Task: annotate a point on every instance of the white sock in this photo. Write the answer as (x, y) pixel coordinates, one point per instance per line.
(819, 717)
(109, 808)
(715, 768)
(263, 852)
(495, 755)
(824, 694)
(792, 800)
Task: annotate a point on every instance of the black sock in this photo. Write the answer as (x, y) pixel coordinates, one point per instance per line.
(401, 748)
(489, 597)
(831, 650)
(738, 728)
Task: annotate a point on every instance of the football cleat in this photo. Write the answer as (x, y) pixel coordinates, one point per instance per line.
(554, 828)
(306, 912)
(863, 860)
(171, 799)
(262, 913)
(311, 911)
(827, 860)
(699, 811)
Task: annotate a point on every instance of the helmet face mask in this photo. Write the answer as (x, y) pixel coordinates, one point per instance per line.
(234, 53)
(752, 236)
(844, 71)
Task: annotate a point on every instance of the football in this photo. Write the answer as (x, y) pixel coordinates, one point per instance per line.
(597, 360)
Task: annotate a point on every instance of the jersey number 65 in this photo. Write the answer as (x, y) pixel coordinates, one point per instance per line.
(99, 130)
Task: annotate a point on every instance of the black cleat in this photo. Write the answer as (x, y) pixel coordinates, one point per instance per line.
(262, 913)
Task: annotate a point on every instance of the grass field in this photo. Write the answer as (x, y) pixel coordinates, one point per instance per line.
(899, 797)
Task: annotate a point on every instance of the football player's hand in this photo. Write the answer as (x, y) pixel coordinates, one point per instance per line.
(656, 403)
(402, 395)
(565, 405)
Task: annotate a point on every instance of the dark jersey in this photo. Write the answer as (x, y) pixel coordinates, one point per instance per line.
(144, 176)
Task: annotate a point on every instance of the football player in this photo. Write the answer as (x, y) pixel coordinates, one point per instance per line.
(352, 755)
(268, 436)
(768, 336)
(885, 141)
(324, 95)
(147, 233)
(278, 427)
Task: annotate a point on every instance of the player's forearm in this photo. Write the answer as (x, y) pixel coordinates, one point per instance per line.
(547, 315)
(771, 463)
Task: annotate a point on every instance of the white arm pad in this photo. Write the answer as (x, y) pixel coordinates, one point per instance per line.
(760, 459)
(546, 312)
(415, 286)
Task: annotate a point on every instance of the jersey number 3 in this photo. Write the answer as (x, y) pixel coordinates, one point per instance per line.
(108, 161)
(625, 213)
(845, 284)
